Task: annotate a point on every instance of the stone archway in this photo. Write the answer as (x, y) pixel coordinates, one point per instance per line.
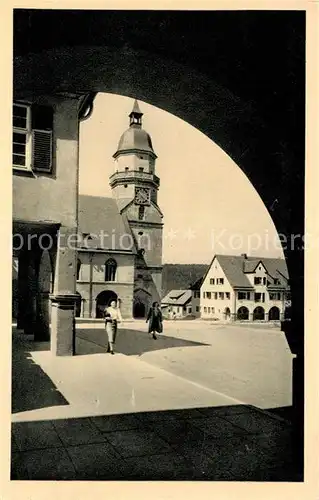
(259, 314)
(259, 124)
(103, 300)
(274, 314)
(183, 91)
(243, 313)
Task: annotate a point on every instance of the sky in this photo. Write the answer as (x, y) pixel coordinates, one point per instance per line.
(209, 205)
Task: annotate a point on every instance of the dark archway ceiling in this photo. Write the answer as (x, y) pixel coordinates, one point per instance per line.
(246, 72)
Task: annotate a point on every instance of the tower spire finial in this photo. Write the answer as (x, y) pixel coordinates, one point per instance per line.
(136, 115)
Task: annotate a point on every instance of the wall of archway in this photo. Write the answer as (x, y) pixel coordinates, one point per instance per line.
(232, 123)
(259, 123)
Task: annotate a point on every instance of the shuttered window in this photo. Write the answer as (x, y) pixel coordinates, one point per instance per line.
(32, 137)
(42, 150)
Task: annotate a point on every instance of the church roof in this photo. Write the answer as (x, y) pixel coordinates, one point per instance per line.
(102, 226)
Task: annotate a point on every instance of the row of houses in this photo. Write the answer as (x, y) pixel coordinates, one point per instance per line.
(234, 288)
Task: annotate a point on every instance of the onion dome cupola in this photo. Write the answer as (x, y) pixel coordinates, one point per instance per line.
(135, 139)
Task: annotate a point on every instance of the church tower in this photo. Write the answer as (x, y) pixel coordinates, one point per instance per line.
(135, 188)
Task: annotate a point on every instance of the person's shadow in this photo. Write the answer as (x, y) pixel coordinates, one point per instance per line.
(129, 342)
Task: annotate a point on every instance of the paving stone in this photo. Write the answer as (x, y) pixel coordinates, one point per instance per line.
(168, 467)
(155, 417)
(137, 443)
(285, 473)
(171, 415)
(14, 445)
(53, 464)
(202, 460)
(187, 413)
(243, 458)
(179, 431)
(217, 427)
(96, 461)
(75, 431)
(257, 423)
(18, 467)
(111, 423)
(278, 446)
(35, 435)
(225, 410)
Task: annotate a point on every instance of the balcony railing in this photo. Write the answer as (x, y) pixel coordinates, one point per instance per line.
(134, 174)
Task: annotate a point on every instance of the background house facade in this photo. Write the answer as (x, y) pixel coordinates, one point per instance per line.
(177, 304)
(245, 288)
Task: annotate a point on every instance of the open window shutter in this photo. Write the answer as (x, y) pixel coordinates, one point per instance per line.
(42, 150)
(42, 125)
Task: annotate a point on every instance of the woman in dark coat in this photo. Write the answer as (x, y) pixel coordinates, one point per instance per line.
(155, 320)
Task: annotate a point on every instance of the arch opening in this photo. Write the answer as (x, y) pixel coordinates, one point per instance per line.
(139, 310)
(274, 314)
(259, 314)
(243, 313)
(103, 300)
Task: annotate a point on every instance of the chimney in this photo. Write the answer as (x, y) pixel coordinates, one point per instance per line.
(244, 255)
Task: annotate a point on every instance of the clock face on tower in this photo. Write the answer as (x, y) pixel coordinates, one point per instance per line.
(142, 196)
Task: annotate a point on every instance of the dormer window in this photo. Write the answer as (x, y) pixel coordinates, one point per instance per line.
(32, 137)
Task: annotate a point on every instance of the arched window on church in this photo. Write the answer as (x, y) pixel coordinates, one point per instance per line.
(78, 269)
(110, 270)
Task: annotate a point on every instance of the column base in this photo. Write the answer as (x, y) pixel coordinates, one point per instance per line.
(63, 324)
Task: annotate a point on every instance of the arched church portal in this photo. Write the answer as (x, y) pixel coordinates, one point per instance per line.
(103, 300)
(139, 310)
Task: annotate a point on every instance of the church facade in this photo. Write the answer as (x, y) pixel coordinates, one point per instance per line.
(120, 237)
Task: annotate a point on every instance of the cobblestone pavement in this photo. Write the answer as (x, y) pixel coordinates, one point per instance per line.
(140, 416)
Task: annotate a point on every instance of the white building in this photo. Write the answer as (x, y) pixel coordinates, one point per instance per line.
(245, 288)
(177, 303)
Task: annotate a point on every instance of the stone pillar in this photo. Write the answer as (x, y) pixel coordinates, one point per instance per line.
(251, 316)
(42, 331)
(22, 288)
(30, 315)
(64, 297)
(266, 316)
(42, 327)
